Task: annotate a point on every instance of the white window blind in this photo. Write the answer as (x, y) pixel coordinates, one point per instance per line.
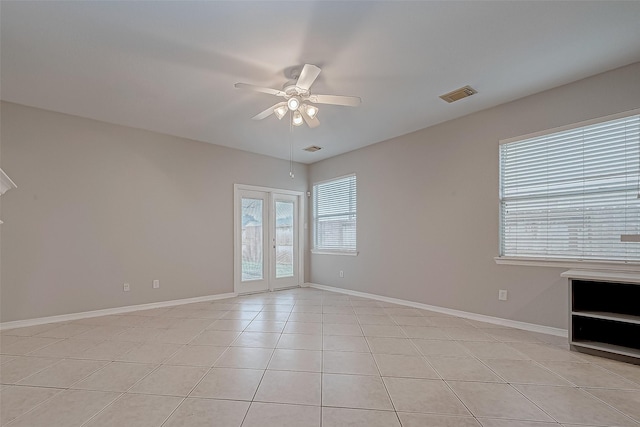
(334, 215)
(572, 193)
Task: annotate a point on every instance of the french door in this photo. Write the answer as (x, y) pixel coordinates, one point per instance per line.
(267, 239)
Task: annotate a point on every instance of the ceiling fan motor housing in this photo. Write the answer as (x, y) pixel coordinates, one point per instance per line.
(291, 89)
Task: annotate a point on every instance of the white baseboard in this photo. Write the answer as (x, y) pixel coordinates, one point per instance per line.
(127, 309)
(108, 311)
(532, 327)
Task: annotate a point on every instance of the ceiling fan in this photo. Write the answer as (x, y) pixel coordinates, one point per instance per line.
(298, 99)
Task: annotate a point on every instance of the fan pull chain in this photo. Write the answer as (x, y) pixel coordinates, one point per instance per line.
(291, 145)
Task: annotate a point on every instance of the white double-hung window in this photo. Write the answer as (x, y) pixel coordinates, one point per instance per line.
(573, 193)
(334, 216)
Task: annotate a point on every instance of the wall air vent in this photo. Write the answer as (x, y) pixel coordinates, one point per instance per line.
(312, 148)
(458, 94)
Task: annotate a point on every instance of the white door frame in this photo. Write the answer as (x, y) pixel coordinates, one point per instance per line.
(237, 232)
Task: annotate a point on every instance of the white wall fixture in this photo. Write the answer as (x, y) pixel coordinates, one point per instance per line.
(6, 184)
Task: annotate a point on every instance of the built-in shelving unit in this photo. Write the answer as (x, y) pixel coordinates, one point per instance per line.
(605, 313)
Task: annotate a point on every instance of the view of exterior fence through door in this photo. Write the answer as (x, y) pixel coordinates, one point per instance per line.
(267, 240)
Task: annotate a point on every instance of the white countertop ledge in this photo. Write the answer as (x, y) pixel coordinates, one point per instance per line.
(608, 276)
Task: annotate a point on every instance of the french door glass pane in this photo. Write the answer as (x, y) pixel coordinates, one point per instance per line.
(284, 239)
(252, 265)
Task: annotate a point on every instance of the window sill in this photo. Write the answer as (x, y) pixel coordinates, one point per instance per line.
(567, 263)
(325, 252)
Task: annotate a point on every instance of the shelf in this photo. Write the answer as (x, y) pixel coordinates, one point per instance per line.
(604, 276)
(605, 315)
(609, 348)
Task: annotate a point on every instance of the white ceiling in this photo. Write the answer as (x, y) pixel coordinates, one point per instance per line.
(170, 67)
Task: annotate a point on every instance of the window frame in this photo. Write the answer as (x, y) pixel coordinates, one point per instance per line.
(323, 251)
(604, 264)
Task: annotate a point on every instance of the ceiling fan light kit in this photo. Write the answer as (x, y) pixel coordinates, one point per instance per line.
(297, 118)
(298, 98)
(310, 111)
(293, 103)
(280, 111)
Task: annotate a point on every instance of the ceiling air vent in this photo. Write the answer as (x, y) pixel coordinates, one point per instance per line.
(312, 148)
(458, 94)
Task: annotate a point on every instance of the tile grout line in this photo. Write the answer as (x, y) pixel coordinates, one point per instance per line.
(35, 373)
(264, 371)
(211, 368)
(534, 404)
(582, 390)
(122, 394)
(61, 390)
(384, 384)
(117, 398)
(197, 382)
(192, 388)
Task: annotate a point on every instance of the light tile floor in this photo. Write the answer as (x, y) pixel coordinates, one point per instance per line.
(304, 357)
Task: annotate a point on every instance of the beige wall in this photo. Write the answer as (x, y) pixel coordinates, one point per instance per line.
(98, 205)
(428, 207)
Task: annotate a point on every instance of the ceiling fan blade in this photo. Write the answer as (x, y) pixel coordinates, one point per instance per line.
(348, 101)
(260, 89)
(269, 111)
(308, 75)
(312, 123)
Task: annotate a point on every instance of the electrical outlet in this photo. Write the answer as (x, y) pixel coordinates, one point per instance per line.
(126, 287)
(156, 284)
(502, 294)
(341, 273)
